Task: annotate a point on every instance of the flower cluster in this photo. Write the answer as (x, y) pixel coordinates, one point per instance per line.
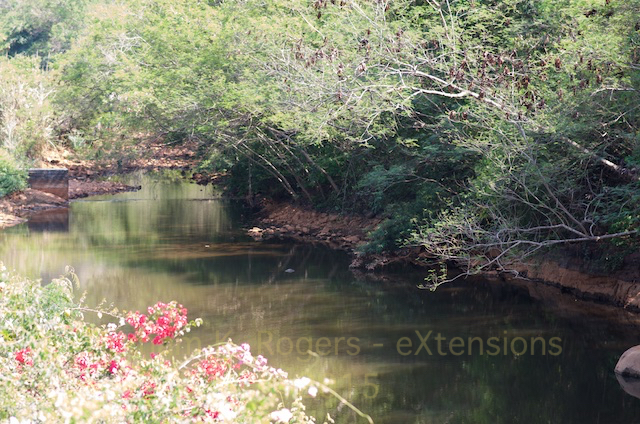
(164, 321)
(24, 356)
(115, 341)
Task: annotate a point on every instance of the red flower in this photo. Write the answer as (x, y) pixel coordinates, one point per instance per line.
(148, 388)
(115, 341)
(212, 414)
(24, 356)
(164, 322)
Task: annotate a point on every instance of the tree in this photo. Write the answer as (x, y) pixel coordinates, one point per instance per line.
(502, 128)
(39, 27)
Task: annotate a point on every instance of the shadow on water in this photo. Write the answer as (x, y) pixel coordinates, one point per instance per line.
(471, 352)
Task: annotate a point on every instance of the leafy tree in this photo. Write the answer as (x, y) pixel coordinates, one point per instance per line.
(500, 128)
(40, 27)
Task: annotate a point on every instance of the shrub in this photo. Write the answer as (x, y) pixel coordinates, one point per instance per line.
(58, 367)
(11, 178)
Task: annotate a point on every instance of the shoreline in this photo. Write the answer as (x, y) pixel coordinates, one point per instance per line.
(562, 274)
(559, 273)
(91, 178)
(18, 207)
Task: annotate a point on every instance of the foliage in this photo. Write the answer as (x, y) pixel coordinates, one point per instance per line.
(39, 27)
(59, 367)
(518, 116)
(11, 178)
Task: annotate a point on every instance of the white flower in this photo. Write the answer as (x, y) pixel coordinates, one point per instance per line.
(282, 416)
(301, 383)
(313, 391)
(227, 414)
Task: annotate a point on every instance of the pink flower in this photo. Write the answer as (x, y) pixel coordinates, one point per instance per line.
(24, 356)
(82, 360)
(212, 368)
(148, 388)
(261, 361)
(113, 367)
(164, 321)
(212, 414)
(115, 341)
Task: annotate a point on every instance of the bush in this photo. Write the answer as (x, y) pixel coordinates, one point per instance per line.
(56, 367)
(11, 178)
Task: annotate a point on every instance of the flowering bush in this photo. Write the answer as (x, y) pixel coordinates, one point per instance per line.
(57, 367)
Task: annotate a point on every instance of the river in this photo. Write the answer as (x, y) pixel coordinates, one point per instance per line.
(470, 352)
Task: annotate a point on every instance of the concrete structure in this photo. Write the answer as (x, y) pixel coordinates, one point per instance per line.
(54, 181)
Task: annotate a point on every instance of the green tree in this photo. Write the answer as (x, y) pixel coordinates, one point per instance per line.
(499, 128)
(39, 27)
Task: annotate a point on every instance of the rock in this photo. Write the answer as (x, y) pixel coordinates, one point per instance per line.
(629, 363)
(256, 232)
(352, 240)
(9, 220)
(631, 385)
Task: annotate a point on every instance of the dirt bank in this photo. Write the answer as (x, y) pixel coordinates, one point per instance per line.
(560, 273)
(337, 231)
(620, 287)
(284, 220)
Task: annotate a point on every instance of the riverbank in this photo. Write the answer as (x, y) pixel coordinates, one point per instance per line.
(96, 177)
(16, 208)
(337, 231)
(561, 271)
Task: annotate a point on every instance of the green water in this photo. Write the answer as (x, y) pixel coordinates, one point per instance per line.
(174, 240)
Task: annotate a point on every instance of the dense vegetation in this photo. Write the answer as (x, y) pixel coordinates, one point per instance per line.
(485, 130)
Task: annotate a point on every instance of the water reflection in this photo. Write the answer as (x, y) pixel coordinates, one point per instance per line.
(179, 241)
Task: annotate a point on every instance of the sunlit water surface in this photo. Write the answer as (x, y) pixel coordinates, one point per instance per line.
(174, 240)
